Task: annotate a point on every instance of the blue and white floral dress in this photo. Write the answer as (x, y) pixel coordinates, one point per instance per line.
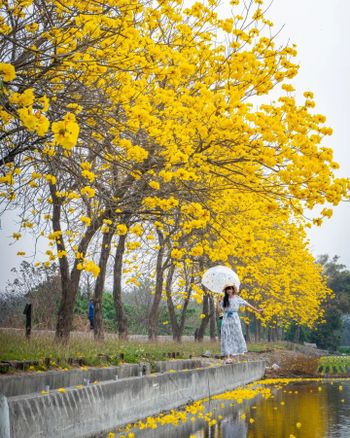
(232, 340)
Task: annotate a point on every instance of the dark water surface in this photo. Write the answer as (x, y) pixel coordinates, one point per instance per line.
(320, 409)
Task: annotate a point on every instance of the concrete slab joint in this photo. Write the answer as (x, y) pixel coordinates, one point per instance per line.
(4, 417)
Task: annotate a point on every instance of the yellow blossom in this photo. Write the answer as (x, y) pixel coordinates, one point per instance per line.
(86, 220)
(7, 72)
(88, 191)
(122, 229)
(66, 132)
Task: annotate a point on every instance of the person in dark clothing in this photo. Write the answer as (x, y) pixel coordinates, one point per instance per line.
(91, 313)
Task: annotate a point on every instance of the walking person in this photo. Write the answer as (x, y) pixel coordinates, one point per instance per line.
(91, 313)
(232, 339)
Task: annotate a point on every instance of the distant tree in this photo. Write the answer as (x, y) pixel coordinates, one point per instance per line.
(328, 335)
(11, 309)
(39, 285)
(108, 309)
(345, 338)
(338, 280)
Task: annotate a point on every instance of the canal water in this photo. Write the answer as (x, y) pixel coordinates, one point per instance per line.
(303, 409)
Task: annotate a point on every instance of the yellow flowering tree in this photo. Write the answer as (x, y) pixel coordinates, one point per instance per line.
(117, 111)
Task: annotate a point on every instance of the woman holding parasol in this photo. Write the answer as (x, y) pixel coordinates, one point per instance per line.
(232, 339)
(223, 279)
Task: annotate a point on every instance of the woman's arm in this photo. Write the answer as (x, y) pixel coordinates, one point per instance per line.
(254, 308)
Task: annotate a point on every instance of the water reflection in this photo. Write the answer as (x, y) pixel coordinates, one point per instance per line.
(303, 409)
(232, 428)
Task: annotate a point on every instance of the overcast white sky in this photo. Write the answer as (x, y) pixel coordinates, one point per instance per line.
(321, 30)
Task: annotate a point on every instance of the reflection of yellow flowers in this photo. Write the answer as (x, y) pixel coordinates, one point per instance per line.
(61, 390)
(202, 316)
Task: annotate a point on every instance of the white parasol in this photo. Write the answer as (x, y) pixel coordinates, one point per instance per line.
(216, 278)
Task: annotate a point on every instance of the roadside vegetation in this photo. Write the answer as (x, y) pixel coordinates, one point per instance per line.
(42, 352)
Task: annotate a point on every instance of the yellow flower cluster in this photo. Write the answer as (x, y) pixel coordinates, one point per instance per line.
(7, 72)
(89, 266)
(122, 229)
(66, 131)
(88, 191)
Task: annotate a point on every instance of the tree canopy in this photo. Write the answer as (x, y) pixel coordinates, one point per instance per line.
(149, 124)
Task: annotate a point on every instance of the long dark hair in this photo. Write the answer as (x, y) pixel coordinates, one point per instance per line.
(226, 302)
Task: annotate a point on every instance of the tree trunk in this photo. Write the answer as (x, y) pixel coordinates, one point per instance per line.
(247, 334)
(212, 317)
(256, 329)
(117, 289)
(260, 336)
(172, 314)
(269, 334)
(65, 312)
(184, 308)
(297, 334)
(69, 282)
(204, 321)
(99, 285)
(154, 310)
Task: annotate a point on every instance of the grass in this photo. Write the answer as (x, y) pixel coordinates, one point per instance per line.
(268, 346)
(337, 365)
(15, 347)
(83, 350)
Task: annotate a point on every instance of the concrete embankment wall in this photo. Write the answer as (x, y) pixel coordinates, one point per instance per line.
(20, 384)
(103, 406)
